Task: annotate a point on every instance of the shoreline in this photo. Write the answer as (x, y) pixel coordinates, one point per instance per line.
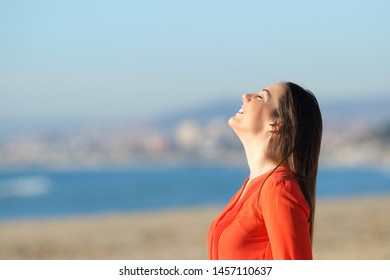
(345, 228)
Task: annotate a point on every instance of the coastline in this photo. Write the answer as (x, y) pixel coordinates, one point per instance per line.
(345, 228)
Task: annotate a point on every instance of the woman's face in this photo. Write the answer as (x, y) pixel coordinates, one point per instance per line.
(254, 117)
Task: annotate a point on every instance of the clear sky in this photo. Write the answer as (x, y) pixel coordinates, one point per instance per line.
(88, 59)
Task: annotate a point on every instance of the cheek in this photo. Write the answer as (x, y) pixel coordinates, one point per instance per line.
(254, 122)
(257, 125)
(259, 119)
(246, 124)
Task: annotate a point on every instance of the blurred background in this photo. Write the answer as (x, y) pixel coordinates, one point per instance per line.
(114, 140)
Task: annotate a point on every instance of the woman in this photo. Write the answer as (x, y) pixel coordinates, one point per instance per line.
(272, 215)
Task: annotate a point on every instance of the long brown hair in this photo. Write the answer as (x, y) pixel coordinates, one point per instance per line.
(297, 141)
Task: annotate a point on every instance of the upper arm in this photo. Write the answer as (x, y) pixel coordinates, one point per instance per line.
(286, 214)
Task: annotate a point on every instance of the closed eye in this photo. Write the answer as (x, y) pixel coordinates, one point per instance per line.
(259, 96)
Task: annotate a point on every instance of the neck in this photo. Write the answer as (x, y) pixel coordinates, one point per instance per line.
(257, 162)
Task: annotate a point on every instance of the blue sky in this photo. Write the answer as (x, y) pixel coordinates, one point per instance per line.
(114, 60)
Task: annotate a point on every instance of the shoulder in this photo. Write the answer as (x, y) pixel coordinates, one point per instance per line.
(281, 186)
(281, 179)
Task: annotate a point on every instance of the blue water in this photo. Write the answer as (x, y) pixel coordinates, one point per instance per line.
(68, 193)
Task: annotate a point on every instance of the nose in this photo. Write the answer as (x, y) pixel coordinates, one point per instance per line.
(246, 97)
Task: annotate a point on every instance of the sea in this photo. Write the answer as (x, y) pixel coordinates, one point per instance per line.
(51, 194)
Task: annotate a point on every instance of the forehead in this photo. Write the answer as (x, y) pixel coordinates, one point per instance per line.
(275, 90)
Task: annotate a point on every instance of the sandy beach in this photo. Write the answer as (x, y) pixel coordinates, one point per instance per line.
(354, 228)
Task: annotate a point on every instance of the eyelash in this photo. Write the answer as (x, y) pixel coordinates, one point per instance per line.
(260, 97)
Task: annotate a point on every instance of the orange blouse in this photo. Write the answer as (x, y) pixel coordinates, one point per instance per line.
(273, 225)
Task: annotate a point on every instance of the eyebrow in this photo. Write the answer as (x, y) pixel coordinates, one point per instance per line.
(267, 91)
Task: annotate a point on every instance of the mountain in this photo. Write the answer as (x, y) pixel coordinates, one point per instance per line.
(336, 114)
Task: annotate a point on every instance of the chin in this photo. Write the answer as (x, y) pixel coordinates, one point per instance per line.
(234, 124)
(231, 122)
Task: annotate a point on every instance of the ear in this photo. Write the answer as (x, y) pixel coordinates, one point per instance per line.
(275, 127)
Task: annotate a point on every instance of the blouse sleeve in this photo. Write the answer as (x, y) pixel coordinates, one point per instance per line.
(286, 214)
